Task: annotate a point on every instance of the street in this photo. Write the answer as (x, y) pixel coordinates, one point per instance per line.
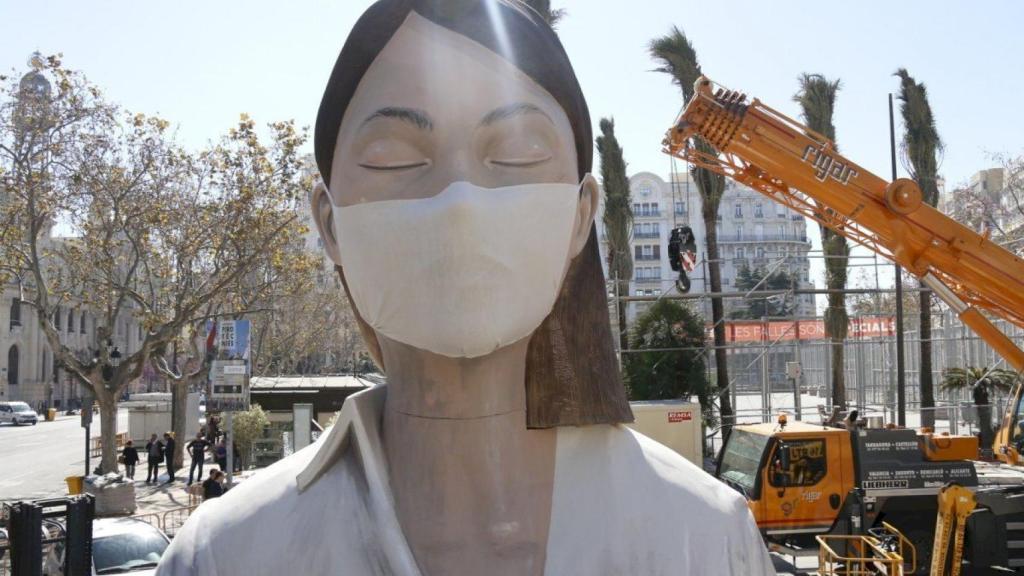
(34, 460)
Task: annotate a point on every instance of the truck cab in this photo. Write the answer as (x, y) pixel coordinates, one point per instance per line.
(795, 477)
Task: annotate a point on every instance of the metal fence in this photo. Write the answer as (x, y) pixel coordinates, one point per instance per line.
(869, 366)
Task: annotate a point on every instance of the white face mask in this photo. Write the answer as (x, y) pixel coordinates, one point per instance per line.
(462, 273)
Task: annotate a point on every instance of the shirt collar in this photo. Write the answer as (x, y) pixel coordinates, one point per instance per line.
(358, 423)
(358, 428)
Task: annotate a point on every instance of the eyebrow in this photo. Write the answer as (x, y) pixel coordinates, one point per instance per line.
(417, 118)
(517, 109)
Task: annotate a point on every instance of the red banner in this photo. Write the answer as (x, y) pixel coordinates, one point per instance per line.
(754, 331)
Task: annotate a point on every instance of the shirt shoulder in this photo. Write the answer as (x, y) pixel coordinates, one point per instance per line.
(648, 509)
(277, 526)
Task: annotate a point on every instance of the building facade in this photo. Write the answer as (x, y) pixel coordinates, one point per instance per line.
(753, 232)
(28, 372)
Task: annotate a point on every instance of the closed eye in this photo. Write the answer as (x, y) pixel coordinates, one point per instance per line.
(395, 166)
(520, 162)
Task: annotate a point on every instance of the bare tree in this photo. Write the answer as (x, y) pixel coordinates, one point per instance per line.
(157, 233)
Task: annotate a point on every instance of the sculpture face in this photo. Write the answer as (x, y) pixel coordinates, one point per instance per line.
(436, 108)
(489, 157)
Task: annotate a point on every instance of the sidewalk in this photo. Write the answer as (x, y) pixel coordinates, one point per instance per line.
(159, 498)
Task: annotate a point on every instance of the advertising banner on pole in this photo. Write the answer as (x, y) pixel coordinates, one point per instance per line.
(227, 342)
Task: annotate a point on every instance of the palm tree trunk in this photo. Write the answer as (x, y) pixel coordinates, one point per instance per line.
(710, 214)
(836, 305)
(623, 290)
(927, 383)
(985, 430)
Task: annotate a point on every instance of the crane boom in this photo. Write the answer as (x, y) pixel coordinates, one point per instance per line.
(781, 158)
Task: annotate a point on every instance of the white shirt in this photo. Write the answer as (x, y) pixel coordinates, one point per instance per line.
(622, 504)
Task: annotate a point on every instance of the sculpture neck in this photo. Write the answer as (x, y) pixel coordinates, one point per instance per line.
(472, 485)
(428, 385)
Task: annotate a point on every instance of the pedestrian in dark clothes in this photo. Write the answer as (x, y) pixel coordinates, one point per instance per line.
(221, 455)
(212, 487)
(131, 458)
(213, 429)
(155, 455)
(169, 455)
(197, 450)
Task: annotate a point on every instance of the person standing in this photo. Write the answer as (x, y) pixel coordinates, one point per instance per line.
(169, 455)
(131, 458)
(197, 450)
(220, 454)
(155, 452)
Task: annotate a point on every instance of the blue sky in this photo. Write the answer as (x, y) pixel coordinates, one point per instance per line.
(200, 64)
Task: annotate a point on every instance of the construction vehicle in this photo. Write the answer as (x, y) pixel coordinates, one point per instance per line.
(806, 480)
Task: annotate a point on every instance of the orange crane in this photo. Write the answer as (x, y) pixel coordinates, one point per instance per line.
(781, 158)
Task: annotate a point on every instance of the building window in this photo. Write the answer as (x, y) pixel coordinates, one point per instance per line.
(15, 312)
(656, 229)
(12, 366)
(739, 232)
(656, 292)
(638, 253)
(760, 251)
(655, 211)
(56, 319)
(780, 211)
(758, 210)
(738, 210)
(644, 189)
(741, 253)
(636, 207)
(638, 293)
(680, 208)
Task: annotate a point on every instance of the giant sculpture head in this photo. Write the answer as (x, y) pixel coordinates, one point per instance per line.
(455, 145)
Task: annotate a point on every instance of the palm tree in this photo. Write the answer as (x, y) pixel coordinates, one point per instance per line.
(543, 7)
(618, 219)
(817, 98)
(982, 382)
(678, 59)
(921, 146)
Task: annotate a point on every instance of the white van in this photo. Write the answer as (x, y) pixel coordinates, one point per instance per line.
(17, 413)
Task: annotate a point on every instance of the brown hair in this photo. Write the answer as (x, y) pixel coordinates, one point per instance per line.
(572, 376)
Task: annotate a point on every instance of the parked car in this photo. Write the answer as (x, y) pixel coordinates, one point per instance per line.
(17, 413)
(126, 546)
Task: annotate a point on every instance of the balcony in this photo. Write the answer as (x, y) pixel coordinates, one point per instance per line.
(648, 258)
(762, 238)
(646, 234)
(647, 213)
(647, 280)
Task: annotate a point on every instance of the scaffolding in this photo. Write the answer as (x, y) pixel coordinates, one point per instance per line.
(760, 386)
